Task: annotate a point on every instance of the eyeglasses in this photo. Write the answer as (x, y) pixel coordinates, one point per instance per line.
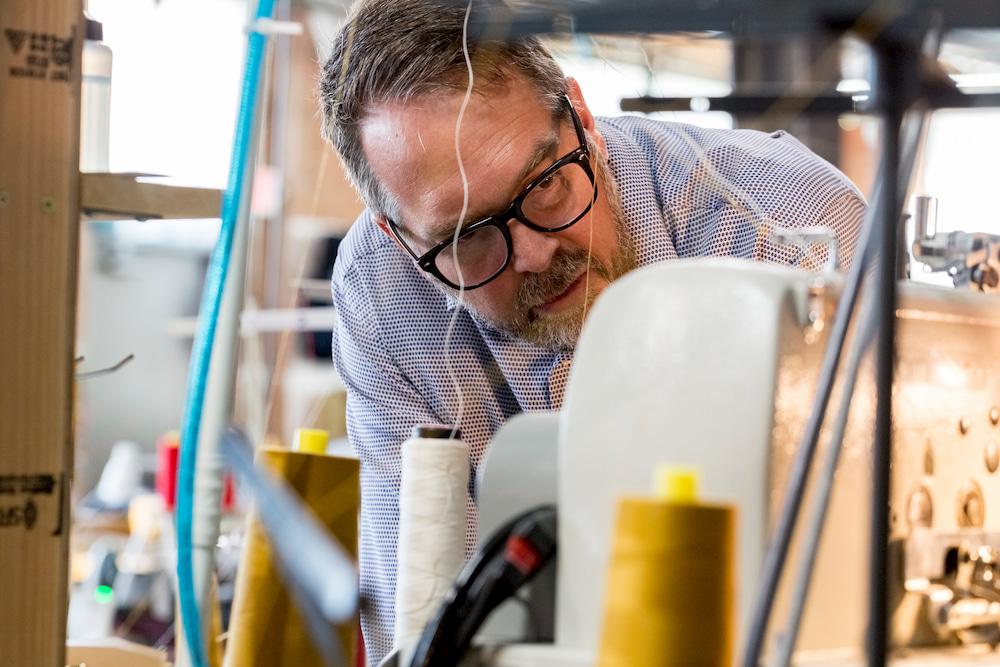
(555, 200)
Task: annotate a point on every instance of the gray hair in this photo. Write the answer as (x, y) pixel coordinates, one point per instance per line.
(397, 50)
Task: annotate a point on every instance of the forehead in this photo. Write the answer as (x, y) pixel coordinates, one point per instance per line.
(411, 149)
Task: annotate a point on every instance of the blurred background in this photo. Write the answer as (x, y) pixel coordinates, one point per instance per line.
(166, 75)
(174, 90)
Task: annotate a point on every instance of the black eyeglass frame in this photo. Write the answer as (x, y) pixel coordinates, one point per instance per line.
(579, 155)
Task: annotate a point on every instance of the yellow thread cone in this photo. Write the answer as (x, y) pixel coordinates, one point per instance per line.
(311, 440)
(676, 485)
(669, 599)
(266, 628)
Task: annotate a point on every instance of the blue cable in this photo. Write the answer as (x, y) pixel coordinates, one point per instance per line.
(201, 352)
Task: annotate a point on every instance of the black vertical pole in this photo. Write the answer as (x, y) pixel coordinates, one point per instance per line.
(891, 95)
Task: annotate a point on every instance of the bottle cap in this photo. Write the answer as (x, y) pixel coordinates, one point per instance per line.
(435, 431)
(94, 28)
(676, 484)
(311, 440)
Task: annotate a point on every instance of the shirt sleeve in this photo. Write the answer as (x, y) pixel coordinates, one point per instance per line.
(845, 216)
(382, 408)
(827, 199)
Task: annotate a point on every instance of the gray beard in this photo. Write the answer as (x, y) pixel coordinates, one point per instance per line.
(560, 331)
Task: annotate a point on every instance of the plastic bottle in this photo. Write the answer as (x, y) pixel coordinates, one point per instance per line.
(95, 106)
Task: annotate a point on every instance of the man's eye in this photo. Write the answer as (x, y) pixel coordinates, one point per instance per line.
(449, 236)
(550, 191)
(547, 183)
(470, 237)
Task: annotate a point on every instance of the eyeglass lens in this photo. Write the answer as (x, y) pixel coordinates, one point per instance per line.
(555, 202)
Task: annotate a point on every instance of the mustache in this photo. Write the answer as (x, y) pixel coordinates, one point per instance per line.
(539, 288)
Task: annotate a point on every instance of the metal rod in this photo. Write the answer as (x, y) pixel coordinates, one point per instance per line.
(735, 17)
(277, 156)
(777, 552)
(814, 531)
(823, 103)
(86, 375)
(220, 389)
(316, 568)
(188, 555)
(890, 81)
(912, 140)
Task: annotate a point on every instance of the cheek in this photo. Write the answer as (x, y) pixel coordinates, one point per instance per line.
(605, 236)
(495, 299)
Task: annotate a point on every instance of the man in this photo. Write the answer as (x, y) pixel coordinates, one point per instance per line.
(559, 205)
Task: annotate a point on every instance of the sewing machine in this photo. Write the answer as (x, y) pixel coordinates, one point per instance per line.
(713, 363)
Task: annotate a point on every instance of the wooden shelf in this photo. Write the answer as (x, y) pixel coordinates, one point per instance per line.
(123, 196)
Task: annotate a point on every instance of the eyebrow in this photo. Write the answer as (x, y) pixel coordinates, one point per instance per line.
(544, 147)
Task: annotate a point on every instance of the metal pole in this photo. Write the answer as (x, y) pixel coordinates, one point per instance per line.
(218, 404)
(891, 98)
(277, 157)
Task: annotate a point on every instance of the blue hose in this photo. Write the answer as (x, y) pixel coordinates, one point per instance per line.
(201, 353)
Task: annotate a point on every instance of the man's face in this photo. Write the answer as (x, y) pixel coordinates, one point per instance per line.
(507, 138)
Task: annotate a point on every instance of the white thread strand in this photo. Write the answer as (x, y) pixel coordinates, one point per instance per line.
(458, 226)
(432, 516)
(590, 248)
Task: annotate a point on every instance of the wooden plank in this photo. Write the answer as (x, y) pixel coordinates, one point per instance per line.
(117, 196)
(40, 48)
(115, 652)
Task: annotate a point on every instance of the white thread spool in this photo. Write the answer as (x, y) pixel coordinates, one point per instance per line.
(431, 548)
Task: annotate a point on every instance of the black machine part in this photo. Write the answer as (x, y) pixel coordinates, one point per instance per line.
(511, 557)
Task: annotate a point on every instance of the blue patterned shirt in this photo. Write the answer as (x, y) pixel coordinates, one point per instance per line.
(685, 191)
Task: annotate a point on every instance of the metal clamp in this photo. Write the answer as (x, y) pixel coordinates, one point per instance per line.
(960, 583)
(971, 259)
(805, 237)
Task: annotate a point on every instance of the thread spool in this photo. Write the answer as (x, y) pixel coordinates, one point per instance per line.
(266, 628)
(310, 440)
(432, 509)
(670, 585)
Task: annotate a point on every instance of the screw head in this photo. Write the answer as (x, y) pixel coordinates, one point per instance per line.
(49, 204)
(4, 198)
(920, 508)
(971, 506)
(991, 456)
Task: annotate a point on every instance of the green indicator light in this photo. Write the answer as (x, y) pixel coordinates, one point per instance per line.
(103, 594)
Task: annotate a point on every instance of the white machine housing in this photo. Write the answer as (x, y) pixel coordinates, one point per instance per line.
(713, 363)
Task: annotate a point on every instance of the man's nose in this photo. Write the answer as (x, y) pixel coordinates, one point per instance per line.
(533, 251)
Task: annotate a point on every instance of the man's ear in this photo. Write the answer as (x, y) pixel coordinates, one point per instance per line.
(582, 110)
(383, 224)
